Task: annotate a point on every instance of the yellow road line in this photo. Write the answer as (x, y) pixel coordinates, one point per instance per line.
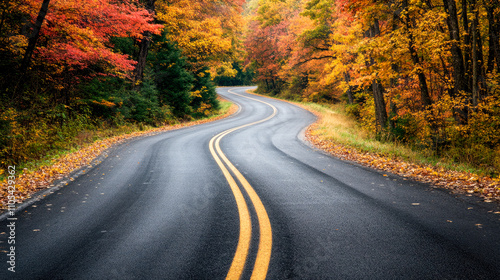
(265, 240)
(245, 224)
(263, 258)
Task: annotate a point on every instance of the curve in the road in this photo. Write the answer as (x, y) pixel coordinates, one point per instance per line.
(265, 232)
(159, 207)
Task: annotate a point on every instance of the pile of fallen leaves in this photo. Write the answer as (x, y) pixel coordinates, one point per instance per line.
(486, 187)
(30, 182)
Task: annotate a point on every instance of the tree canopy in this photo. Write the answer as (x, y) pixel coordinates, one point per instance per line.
(75, 65)
(425, 72)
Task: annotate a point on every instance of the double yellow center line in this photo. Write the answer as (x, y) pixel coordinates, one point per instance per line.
(265, 234)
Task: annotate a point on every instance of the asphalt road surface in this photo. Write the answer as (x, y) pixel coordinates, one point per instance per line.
(245, 197)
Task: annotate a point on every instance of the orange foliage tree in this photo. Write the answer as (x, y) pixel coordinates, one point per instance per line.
(207, 32)
(69, 65)
(424, 72)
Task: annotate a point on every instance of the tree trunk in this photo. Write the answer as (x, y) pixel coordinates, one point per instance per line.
(467, 44)
(143, 50)
(377, 88)
(460, 83)
(475, 72)
(494, 30)
(478, 88)
(34, 37)
(380, 108)
(347, 79)
(141, 59)
(491, 35)
(424, 89)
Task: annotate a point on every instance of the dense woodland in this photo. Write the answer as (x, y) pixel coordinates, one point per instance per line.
(423, 72)
(69, 66)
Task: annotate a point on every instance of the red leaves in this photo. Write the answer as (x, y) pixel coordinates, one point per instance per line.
(77, 33)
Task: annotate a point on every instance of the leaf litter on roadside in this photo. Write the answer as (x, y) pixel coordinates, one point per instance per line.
(486, 187)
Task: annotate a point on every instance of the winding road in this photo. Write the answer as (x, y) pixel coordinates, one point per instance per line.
(246, 198)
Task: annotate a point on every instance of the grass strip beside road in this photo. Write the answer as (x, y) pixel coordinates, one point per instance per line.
(41, 175)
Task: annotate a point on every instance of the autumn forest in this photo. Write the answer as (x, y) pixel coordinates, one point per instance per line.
(425, 73)
(72, 66)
